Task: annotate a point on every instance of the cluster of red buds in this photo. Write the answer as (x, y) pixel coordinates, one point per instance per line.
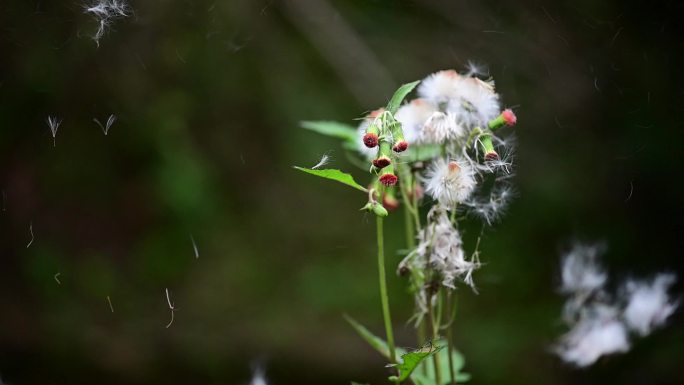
(385, 133)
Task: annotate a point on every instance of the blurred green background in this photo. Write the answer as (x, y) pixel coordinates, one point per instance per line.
(208, 96)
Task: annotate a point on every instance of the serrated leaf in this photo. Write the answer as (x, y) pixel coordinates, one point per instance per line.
(334, 174)
(410, 361)
(334, 129)
(400, 95)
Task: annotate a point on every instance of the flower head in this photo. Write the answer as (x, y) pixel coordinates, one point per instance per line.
(476, 102)
(449, 182)
(413, 116)
(441, 127)
(440, 87)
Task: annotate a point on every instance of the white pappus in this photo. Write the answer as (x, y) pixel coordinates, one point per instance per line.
(449, 182)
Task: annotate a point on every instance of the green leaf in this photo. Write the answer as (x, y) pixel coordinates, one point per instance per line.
(410, 362)
(333, 174)
(334, 129)
(426, 376)
(400, 95)
(357, 383)
(374, 341)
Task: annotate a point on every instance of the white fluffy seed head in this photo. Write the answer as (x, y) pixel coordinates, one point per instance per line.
(440, 128)
(476, 102)
(440, 248)
(440, 87)
(647, 304)
(450, 182)
(413, 116)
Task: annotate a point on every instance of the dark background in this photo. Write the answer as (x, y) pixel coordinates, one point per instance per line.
(209, 95)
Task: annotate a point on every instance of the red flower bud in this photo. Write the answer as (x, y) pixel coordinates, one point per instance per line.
(509, 117)
(400, 146)
(382, 162)
(388, 179)
(370, 140)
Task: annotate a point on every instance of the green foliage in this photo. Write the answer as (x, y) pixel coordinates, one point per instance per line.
(410, 361)
(400, 95)
(413, 360)
(374, 341)
(333, 174)
(427, 375)
(334, 129)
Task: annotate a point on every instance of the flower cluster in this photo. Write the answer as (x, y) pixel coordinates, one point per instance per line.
(440, 154)
(601, 323)
(456, 157)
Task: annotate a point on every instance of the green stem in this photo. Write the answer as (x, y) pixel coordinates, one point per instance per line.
(449, 340)
(435, 337)
(383, 291)
(408, 222)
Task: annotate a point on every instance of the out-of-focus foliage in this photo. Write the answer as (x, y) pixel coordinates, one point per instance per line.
(209, 96)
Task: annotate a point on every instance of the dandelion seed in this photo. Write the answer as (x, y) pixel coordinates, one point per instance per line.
(30, 232)
(105, 12)
(648, 304)
(492, 207)
(194, 246)
(109, 301)
(600, 324)
(474, 69)
(581, 271)
(599, 332)
(57, 278)
(171, 307)
(110, 121)
(53, 123)
(325, 159)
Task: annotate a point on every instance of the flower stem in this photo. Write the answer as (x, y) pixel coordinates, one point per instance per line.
(383, 291)
(435, 337)
(449, 339)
